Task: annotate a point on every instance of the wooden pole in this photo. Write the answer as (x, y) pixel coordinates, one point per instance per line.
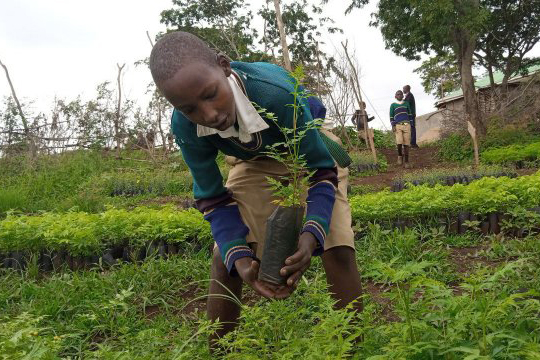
(358, 94)
(472, 132)
(118, 109)
(27, 132)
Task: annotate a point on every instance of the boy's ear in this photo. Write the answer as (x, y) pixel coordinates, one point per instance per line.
(225, 64)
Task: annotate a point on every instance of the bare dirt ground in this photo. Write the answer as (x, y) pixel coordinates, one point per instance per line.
(421, 158)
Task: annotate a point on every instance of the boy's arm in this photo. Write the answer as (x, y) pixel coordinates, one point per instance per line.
(212, 198)
(217, 204)
(409, 112)
(392, 115)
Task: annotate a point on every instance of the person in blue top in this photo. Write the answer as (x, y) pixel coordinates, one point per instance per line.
(214, 111)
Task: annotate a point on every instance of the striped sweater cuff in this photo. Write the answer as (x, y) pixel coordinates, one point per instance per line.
(320, 203)
(234, 250)
(229, 232)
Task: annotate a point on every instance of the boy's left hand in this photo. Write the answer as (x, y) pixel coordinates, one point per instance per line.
(297, 264)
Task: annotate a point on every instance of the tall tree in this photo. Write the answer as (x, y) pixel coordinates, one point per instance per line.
(439, 74)
(29, 136)
(412, 27)
(224, 24)
(511, 31)
(304, 24)
(282, 36)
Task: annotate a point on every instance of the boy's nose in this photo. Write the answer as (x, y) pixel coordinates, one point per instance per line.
(209, 115)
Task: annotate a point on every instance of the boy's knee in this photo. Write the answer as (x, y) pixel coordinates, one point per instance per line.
(340, 256)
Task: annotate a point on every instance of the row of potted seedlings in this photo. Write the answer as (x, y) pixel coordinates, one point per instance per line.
(367, 167)
(449, 180)
(58, 259)
(492, 223)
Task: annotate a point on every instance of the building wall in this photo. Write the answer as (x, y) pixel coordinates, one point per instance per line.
(428, 127)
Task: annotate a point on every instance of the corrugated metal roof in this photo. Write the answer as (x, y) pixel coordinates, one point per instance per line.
(485, 83)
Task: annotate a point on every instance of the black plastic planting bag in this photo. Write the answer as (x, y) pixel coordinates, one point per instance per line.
(282, 232)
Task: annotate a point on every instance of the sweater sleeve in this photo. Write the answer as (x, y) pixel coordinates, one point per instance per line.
(392, 115)
(410, 113)
(215, 201)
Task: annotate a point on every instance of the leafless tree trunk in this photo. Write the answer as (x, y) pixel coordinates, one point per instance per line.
(465, 44)
(28, 134)
(358, 94)
(118, 109)
(282, 36)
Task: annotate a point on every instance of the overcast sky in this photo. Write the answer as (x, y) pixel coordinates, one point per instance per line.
(65, 48)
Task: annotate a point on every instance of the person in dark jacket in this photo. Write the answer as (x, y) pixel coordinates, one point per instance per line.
(358, 117)
(409, 97)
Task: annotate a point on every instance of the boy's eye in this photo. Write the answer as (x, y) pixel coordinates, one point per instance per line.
(211, 95)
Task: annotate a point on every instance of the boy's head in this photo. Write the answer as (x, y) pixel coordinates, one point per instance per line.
(194, 79)
(407, 89)
(399, 95)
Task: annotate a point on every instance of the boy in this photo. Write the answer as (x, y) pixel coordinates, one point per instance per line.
(400, 118)
(213, 111)
(358, 117)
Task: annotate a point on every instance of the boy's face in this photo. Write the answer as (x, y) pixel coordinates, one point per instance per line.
(399, 95)
(202, 93)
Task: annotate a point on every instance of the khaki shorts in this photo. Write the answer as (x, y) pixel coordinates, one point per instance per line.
(403, 134)
(247, 181)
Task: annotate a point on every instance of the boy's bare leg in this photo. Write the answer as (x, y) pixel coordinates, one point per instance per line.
(342, 276)
(227, 311)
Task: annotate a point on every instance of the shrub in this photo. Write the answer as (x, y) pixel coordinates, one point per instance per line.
(512, 154)
(483, 196)
(499, 137)
(81, 233)
(456, 147)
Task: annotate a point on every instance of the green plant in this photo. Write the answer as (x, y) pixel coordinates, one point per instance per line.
(512, 154)
(22, 337)
(499, 137)
(383, 139)
(88, 234)
(455, 147)
(361, 190)
(445, 176)
(483, 196)
(289, 189)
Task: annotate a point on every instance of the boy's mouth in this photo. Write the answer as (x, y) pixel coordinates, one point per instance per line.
(223, 124)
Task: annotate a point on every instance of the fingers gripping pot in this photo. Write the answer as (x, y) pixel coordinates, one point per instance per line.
(282, 232)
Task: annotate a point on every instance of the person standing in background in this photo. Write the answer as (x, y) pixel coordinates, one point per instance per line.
(409, 97)
(359, 116)
(400, 118)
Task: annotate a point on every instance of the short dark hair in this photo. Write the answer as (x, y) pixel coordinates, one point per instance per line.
(175, 50)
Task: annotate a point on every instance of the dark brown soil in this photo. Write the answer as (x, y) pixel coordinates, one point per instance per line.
(376, 291)
(421, 158)
(466, 259)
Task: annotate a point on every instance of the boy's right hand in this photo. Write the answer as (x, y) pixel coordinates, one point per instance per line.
(393, 128)
(248, 270)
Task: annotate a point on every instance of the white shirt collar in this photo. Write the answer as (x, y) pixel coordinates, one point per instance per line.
(248, 119)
